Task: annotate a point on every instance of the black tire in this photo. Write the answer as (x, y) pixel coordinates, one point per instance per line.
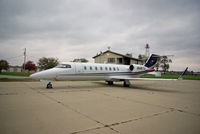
(49, 85)
(126, 84)
(110, 83)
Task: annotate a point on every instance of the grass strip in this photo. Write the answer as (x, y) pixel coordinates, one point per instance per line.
(15, 74)
(14, 79)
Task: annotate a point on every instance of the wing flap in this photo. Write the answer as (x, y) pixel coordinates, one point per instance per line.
(131, 78)
(128, 78)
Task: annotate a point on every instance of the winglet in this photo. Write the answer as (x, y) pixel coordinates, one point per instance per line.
(181, 76)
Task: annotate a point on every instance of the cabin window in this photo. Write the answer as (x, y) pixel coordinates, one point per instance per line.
(106, 68)
(90, 68)
(96, 68)
(85, 67)
(114, 68)
(101, 68)
(111, 60)
(110, 68)
(117, 69)
(68, 66)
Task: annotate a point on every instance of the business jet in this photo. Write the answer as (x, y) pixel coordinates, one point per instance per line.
(92, 71)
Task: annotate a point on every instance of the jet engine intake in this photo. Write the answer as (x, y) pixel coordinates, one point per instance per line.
(131, 67)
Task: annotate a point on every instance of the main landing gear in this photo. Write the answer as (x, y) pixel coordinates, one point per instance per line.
(110, 83)
(49, 85)
(126, 83)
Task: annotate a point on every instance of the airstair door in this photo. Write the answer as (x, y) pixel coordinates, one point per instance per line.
(79, 68)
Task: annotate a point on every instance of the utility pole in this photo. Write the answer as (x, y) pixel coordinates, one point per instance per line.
(24, 59)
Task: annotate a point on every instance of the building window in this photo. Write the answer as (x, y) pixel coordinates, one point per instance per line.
(111, 60)
(119, 60)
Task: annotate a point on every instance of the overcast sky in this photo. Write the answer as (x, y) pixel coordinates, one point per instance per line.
(69, 29)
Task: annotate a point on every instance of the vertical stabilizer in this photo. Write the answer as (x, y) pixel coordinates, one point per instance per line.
(151, 62)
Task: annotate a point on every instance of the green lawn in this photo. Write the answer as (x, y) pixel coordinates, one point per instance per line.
(173, 76)
(14, 79)
(15, 74)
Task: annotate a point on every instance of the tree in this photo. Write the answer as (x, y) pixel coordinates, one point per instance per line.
(3, 65)
(47, 63)
(157, 64)
(142, 57)
(80, 60)
(164, 63)
(129, 54)
(30, 66)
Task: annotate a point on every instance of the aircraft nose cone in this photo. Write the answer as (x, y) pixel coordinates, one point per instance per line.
(34, 76)
(46, 75)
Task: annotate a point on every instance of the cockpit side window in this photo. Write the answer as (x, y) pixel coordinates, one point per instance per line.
(68, 66)
(64, 66)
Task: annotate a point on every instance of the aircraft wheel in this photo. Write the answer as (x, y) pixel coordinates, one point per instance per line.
(49, 85)
(110, 83)
(126, 83)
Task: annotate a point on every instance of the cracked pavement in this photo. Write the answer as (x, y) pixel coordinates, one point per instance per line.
(92, 107)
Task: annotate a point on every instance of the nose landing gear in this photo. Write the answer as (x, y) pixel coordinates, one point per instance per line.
(49, 85)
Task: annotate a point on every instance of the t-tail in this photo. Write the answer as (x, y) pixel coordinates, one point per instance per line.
(151, 62)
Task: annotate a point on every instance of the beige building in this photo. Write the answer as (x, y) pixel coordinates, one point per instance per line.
(15, 69)
(111, 57)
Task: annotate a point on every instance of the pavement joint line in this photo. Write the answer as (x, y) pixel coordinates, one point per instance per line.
(8, 93)
(91, 129)
(87, 130)
(161, 106)
(67, 106)
(183, 111)
(88, 117)
(170, 109)
(140, 118)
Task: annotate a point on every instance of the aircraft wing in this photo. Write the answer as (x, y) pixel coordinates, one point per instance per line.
(131, 78)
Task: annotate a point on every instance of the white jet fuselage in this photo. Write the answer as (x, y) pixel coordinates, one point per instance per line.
(90, 71)
(94, 71)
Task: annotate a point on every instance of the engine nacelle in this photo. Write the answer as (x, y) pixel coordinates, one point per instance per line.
(131, 67)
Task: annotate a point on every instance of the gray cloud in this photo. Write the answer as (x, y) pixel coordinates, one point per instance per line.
(70, 29)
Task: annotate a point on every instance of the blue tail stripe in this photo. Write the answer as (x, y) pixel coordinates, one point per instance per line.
(151, 61)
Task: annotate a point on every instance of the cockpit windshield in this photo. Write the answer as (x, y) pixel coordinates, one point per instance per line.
(63, 66)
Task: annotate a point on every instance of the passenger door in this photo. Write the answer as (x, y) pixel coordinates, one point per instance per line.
(79, 68)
